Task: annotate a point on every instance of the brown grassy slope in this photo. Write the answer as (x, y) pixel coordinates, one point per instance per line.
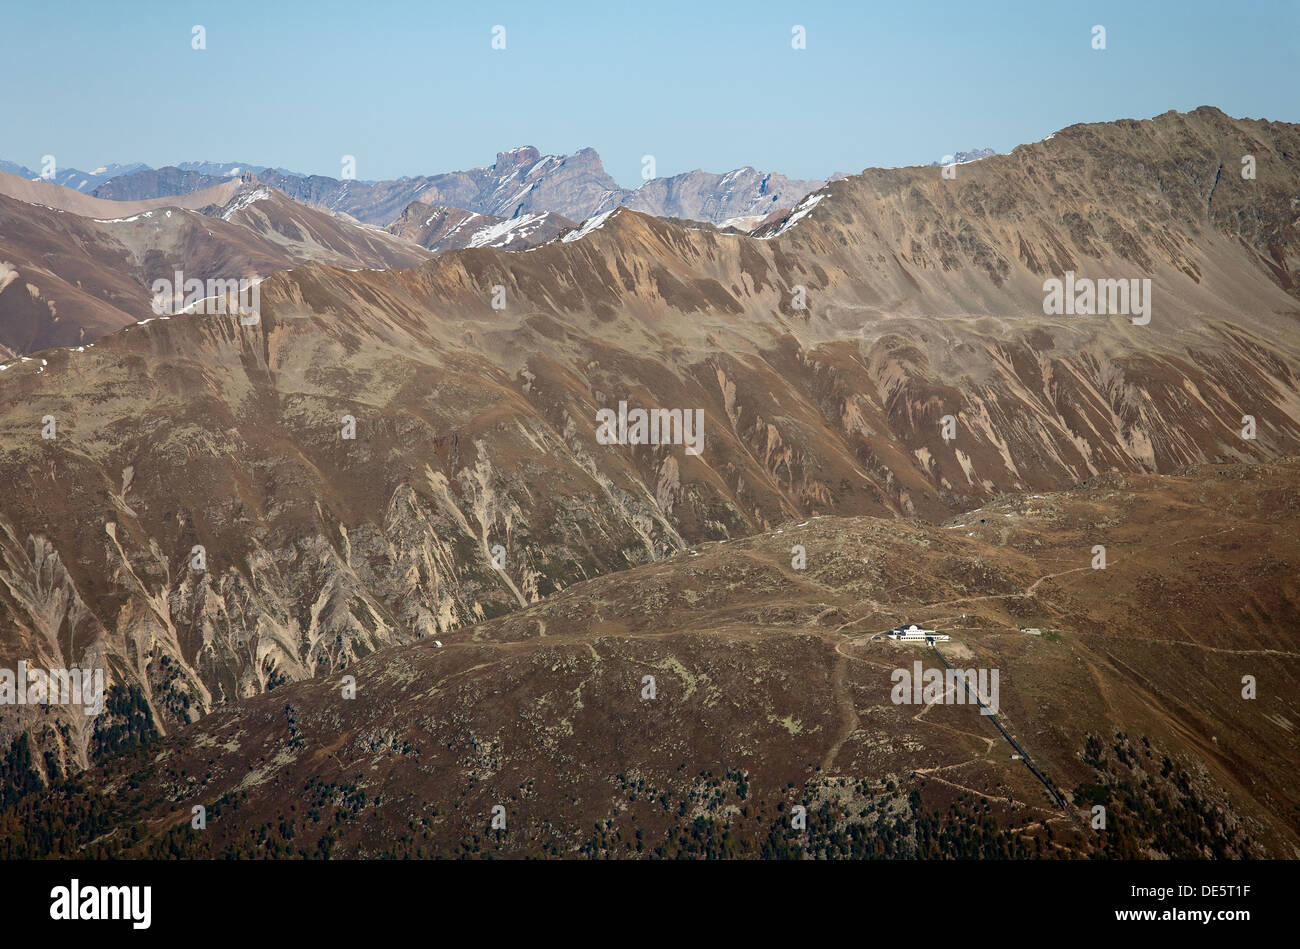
(768, 672)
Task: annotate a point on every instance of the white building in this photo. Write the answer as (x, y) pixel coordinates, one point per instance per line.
(915, 634)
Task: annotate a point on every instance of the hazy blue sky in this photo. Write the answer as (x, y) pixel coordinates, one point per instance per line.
(414, 87)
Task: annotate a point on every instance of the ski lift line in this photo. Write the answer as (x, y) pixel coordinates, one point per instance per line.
(1024, 755)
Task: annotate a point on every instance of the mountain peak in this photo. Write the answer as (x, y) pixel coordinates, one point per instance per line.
(520, 157)
(590, 157)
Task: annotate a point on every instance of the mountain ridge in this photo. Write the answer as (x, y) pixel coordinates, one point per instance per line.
(521, 181)
(68, 276)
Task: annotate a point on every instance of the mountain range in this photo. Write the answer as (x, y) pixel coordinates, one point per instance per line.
(520, 201)
(77, 180)
(520, 181)
(74, 267)
(396, 474)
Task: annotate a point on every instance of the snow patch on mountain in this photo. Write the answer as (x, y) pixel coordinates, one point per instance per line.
(504, 232)
(243, 201)
(801, 211)
(587, 227)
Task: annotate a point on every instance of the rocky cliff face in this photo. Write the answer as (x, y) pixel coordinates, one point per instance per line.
(740, 196)
(920, 377)
(521, 181)
(155, 183)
